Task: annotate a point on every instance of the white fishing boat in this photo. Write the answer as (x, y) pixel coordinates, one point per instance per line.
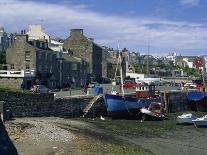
(186, 118)
(200, 122)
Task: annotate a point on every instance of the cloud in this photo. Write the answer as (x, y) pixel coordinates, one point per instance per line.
(134, 33)
(189, 2)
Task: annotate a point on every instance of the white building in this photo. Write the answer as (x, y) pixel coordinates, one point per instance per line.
(188, 63)
(56, 45)
(172, 57)
(36, 32)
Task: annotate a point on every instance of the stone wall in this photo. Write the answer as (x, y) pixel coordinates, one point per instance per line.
(36, 105)
(175, 101)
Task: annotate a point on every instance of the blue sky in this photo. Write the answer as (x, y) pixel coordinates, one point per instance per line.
(165, 25)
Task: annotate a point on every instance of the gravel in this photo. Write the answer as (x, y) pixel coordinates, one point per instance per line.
(43, 131)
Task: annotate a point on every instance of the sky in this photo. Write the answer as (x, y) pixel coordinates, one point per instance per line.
(162, 25)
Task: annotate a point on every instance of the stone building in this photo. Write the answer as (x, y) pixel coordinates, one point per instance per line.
(78, 45)
(37, 64)
(4, 40)
(33, 58)
(74, 70)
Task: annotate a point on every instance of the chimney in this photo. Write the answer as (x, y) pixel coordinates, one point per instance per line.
(76, 32)
(1, 29)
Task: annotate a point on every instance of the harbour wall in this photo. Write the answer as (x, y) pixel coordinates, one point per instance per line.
(44, 104)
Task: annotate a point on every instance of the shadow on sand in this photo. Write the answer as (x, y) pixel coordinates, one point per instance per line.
(6, 145)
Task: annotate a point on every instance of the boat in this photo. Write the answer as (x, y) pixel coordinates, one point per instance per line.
(186, 118)
(200, 122)
(197, 100)
(194, 95)
(124, 105)
(154, 112)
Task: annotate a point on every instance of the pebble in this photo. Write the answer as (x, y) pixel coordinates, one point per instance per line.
(43, 131)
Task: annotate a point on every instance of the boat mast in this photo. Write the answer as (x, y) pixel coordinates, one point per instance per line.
(204, 69)
(121, 74)
(114, 80)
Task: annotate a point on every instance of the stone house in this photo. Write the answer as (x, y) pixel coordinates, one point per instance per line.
(38, 64)
(74, 70)
(31, 57)
(78, 45)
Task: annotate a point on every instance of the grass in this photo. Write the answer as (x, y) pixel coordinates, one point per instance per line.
(145, 128)
(9, 89)
(136, 127)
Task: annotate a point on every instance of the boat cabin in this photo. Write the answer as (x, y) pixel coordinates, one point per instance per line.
(145, 91)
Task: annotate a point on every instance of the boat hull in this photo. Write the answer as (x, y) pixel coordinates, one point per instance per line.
(200, 123)
(119, 106)
(185, 120)
(149, 115)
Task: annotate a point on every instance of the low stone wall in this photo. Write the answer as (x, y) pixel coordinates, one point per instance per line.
(175, 101)
(36, 105)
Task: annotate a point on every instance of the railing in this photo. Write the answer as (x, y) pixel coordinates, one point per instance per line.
(15, 74)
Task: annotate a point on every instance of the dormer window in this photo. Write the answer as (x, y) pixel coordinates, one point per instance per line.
(41, 44)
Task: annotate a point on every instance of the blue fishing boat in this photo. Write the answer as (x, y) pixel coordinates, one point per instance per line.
(124, 105)
(195, 95)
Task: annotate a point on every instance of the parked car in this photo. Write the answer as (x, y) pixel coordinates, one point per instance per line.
(190, 85)
(129, 84)
(39, 88)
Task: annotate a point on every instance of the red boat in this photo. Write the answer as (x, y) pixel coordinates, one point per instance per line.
(154, 112)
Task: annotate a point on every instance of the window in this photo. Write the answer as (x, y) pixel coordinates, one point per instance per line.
(41, 45)
(40, 55)
(12, 67)
(74, 67)
(40, 67)
(27, 56)
(27, 68)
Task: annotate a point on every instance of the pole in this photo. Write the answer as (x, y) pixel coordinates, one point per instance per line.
(147, 60)
(60, 72)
